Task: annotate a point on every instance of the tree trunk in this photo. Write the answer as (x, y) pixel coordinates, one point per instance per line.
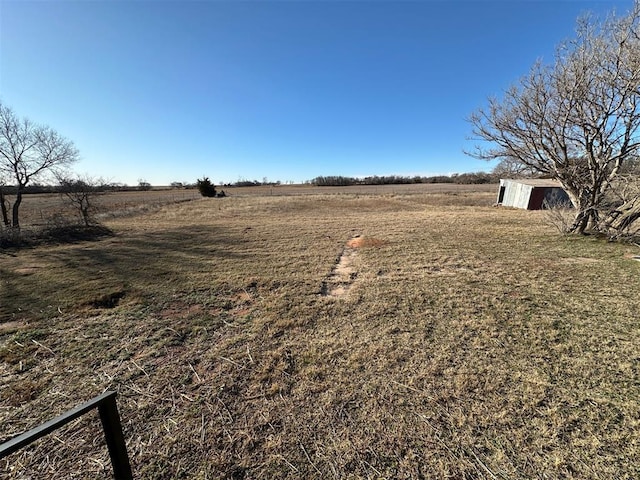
(84, 210)
(622, 220)
(16, 206)
(583, 213)
(3, 207)
(580, 223)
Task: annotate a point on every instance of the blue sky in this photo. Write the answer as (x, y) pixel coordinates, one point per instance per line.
(288, 90)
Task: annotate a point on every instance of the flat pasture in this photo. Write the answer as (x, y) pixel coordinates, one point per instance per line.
(400, 189)
(334, 334)
(44, 208)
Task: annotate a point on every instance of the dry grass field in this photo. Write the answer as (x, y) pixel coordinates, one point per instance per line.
(41, 209)
(349, 335)
(44, 208)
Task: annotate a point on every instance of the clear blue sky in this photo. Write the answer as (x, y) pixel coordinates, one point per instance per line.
(288, 90)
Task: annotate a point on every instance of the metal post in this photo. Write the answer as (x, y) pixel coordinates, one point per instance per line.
(111, 425)
(115, 439)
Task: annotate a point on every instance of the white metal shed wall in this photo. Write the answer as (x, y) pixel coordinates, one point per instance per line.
(516, 194)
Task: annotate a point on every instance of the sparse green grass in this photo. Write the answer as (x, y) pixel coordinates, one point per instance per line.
(474, 342)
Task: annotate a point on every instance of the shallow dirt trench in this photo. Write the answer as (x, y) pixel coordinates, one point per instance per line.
(342, 276)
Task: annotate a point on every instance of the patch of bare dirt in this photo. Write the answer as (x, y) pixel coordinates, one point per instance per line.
(339, 281)
(12, 326)
(27, 269)
(579, 260)
(364, 242)
(341, 278)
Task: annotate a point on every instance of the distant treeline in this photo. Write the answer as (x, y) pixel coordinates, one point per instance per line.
(461, 178)
(253, 183)
(323, 181)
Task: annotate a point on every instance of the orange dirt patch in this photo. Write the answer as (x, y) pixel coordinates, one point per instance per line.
(363, 242)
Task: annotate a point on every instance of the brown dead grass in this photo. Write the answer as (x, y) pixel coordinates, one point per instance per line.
(45, 209)
(471, 343)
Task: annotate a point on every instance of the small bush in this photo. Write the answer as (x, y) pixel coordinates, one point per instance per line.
(560, 216)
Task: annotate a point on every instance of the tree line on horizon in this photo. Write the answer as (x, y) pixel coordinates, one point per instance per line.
(459, 178)
(100, 185)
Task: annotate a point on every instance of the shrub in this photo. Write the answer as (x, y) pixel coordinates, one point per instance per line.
(205, 187)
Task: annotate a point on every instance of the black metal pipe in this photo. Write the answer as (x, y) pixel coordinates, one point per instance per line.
(106, 404)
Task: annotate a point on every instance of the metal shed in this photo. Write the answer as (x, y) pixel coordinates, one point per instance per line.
(531, 194)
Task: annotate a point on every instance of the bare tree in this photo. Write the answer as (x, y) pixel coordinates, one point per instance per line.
(82, 193)
(28, 151)
(576, 120)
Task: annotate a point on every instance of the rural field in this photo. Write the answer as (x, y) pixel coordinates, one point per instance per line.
(397, 332)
